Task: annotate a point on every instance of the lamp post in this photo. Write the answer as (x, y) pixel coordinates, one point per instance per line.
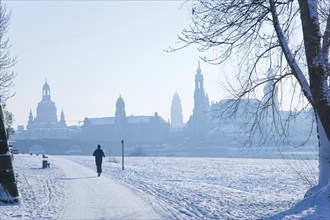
(122, 154)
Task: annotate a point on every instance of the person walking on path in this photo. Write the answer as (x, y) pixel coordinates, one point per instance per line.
(98, 154)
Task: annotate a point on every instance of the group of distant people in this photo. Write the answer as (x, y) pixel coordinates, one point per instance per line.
(98, 154)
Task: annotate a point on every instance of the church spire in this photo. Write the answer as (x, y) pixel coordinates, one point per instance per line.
(198, 122)
(199, 71)
(199, 84)
(31, 119)
(62, 118)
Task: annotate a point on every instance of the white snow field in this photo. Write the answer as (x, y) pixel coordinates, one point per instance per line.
(163, 188)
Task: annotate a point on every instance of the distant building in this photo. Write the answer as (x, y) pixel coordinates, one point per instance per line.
(210, 129)
(133, 129)
(176, 113)
(271, 91)
(199, 122)
(46, 117)
(45, 124)
(45, 132)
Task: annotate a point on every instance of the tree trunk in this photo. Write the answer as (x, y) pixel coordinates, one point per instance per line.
(316, 62)
(321, 190)
(324, 156)
(317, 67)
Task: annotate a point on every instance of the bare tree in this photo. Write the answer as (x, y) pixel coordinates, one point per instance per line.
(6, 63)
(290, 37)
(7, 177)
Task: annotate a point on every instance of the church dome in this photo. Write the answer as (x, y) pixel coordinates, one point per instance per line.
(46, 110)
(120, 101)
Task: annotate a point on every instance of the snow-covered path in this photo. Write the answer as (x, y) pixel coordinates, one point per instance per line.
(92, 197)
(174, 188)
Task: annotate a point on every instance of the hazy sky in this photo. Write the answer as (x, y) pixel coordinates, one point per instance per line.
(91, 52)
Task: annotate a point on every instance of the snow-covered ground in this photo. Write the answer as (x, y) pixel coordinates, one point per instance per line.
(163, 188)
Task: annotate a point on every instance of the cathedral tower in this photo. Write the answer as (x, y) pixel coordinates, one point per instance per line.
(198, 123)
(201, 102)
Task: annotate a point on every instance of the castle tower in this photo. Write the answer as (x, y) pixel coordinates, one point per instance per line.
(176, 112)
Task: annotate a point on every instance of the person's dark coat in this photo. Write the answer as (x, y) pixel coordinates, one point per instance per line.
(98, 154)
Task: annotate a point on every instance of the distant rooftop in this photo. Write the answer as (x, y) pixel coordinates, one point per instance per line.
(130, 119)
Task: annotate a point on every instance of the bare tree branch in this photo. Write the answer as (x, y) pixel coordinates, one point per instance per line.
(283, 35)
(6, 63)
